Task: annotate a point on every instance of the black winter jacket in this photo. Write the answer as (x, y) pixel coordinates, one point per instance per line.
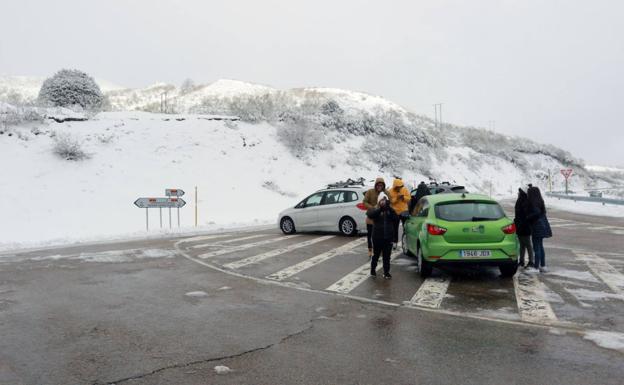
(383, 222)
(540, 227)
(523, 228)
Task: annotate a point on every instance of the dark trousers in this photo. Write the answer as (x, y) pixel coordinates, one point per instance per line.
(538, 250)
(399, 220)
(384, 248)
(369, 235)
(525, 247)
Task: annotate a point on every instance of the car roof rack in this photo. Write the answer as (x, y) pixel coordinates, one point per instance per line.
(348, 183)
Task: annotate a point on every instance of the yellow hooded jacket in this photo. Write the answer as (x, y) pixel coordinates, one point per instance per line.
(399, 196)
(370, 198)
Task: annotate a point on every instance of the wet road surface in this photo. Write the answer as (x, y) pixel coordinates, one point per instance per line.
(302, 310)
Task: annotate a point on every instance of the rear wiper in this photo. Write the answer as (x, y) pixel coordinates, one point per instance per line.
(478, 219)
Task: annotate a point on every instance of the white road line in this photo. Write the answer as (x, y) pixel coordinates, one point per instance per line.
(566, 224)
(234, 249)
(205, 237)
(603, 270)
(431, 293)
(217, 243)
(352, 280)
(274, 253)
(308, 263)
(531, 299)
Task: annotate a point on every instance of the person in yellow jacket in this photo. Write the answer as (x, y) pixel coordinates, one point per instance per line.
(370, 202)
(399, 201)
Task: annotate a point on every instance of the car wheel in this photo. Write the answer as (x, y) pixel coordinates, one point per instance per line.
(347, 227)
(404, 245)
(424, 267)
(508, 270)
(288, 226)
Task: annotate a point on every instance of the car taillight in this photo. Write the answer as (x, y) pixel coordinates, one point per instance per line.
(435, 230)
(361, 206)
(510, 229)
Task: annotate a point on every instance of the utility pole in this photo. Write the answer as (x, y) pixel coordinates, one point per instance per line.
(438, 115)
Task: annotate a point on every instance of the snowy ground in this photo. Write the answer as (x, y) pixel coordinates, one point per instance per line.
(244, 176)
(589, 208)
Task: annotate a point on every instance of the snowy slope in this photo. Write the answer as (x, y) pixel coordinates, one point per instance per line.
(243, 172)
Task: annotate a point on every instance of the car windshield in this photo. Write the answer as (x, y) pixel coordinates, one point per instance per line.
(469, 211)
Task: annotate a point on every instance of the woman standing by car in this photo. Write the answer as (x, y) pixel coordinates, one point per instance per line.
(523, 230)
(540, 228)
(383, 217)
(370, 202)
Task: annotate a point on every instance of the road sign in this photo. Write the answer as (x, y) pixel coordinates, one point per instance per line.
(146, 203)
(567, 172)
(174, 192)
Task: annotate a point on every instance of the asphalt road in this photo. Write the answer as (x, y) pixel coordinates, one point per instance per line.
(300, 310)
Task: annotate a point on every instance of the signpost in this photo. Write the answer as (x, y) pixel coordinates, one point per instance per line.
(159, 203)
(567, 173)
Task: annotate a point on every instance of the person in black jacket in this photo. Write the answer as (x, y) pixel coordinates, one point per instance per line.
(421, 191)
(384, 218)
(523, 230)
(540, 228)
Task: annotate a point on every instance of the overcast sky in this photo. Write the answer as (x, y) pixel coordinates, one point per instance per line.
(549, 70)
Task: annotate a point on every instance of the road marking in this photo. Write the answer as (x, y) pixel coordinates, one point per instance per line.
(603, 270)
(531, 299)
(308, 263)
(234, 249)
(566, 224)
(229, 241)
(274, 253)
(431, 292)
(205, 237)
(352, 280)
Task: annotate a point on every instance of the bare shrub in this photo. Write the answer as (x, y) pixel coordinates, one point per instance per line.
(68, 147)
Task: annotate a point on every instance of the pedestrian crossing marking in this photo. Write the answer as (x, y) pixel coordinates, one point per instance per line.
(431, 293)
(219, 243)
(603, 270)
(308, 263)
(531, 299)
(273, 253)
(246, 246)
(352, 280)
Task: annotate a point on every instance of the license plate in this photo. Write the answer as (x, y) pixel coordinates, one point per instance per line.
(475, 253)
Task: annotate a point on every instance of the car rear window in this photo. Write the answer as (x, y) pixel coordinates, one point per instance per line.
(469, 211)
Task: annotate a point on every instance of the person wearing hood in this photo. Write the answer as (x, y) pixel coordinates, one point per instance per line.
(523, 229)
(540, 227)
(383, 217)
(399, 197)
(370, 202)
(421, 191)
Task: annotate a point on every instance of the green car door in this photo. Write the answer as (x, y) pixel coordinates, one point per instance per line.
(413, 226)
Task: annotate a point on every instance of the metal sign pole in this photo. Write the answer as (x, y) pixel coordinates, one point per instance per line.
(169, 217)
(178, 217)
(146, 219)
(195, 206)
(160, 212)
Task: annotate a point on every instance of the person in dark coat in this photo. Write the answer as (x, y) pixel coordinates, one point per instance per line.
(540, 227)
(421, 191)
(523, 230)
(384, 218)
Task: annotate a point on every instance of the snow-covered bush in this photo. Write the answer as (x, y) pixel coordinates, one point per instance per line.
(13, 116)
(302, 137)
(389, 153)
(68, 147)
(69, 88)
(188, 85)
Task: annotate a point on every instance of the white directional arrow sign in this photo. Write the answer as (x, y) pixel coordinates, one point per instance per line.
(146, 203)
(174, 192)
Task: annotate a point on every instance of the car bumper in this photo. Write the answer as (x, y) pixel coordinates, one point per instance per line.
(443, 252)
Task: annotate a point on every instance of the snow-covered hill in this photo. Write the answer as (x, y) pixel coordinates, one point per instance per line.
(289, 144)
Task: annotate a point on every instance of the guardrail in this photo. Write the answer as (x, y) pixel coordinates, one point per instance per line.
(586, 199)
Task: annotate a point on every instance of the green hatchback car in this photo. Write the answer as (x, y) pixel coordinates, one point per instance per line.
(460, 229)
